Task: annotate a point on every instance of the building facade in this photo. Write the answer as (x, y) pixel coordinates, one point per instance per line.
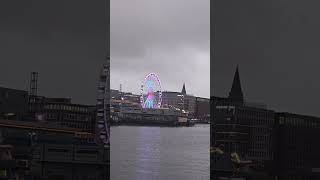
(241, 129)
(63, 112)
(180, 100)
(284, 144)
(202, 108)
(298, 147)
(45, 151)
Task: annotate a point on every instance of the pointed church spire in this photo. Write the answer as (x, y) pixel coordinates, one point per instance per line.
(184, 89)
(236, 90)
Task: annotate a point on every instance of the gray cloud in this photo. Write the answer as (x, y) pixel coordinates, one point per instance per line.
(168, 37)
(276, 45)
(65, 41)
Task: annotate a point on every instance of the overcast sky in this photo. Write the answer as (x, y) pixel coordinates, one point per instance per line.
(277, 46)
(64, 40)
(168, 37)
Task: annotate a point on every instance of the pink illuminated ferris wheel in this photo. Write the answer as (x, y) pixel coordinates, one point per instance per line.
(151, 94)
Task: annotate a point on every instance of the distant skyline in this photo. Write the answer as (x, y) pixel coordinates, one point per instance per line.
(163, 90)
(168, 37)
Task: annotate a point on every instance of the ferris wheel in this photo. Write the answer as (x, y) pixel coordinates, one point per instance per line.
(103, 104)
(151, 93)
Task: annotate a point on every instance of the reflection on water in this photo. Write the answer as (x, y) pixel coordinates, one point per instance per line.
(160, 153)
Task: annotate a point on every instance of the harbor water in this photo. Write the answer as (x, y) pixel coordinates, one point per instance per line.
(160, 153)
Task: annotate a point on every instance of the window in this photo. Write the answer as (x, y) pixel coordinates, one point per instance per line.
(58, 150)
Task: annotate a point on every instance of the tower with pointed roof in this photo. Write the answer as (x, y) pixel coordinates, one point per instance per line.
(236, 94)
(184, 92)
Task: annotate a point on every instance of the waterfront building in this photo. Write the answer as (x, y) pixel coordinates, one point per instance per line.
(284, 144)
(242, 128)
(202, 109)
(297, 147)
(63, 112)
(174, 99)
(190, 104)
(120, 105)
(47, 151)
(180, 100)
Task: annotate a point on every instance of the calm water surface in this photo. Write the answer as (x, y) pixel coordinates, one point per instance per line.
(160, 153)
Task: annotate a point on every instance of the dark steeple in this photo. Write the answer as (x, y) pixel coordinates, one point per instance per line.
(184, 89)
(236, 91)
